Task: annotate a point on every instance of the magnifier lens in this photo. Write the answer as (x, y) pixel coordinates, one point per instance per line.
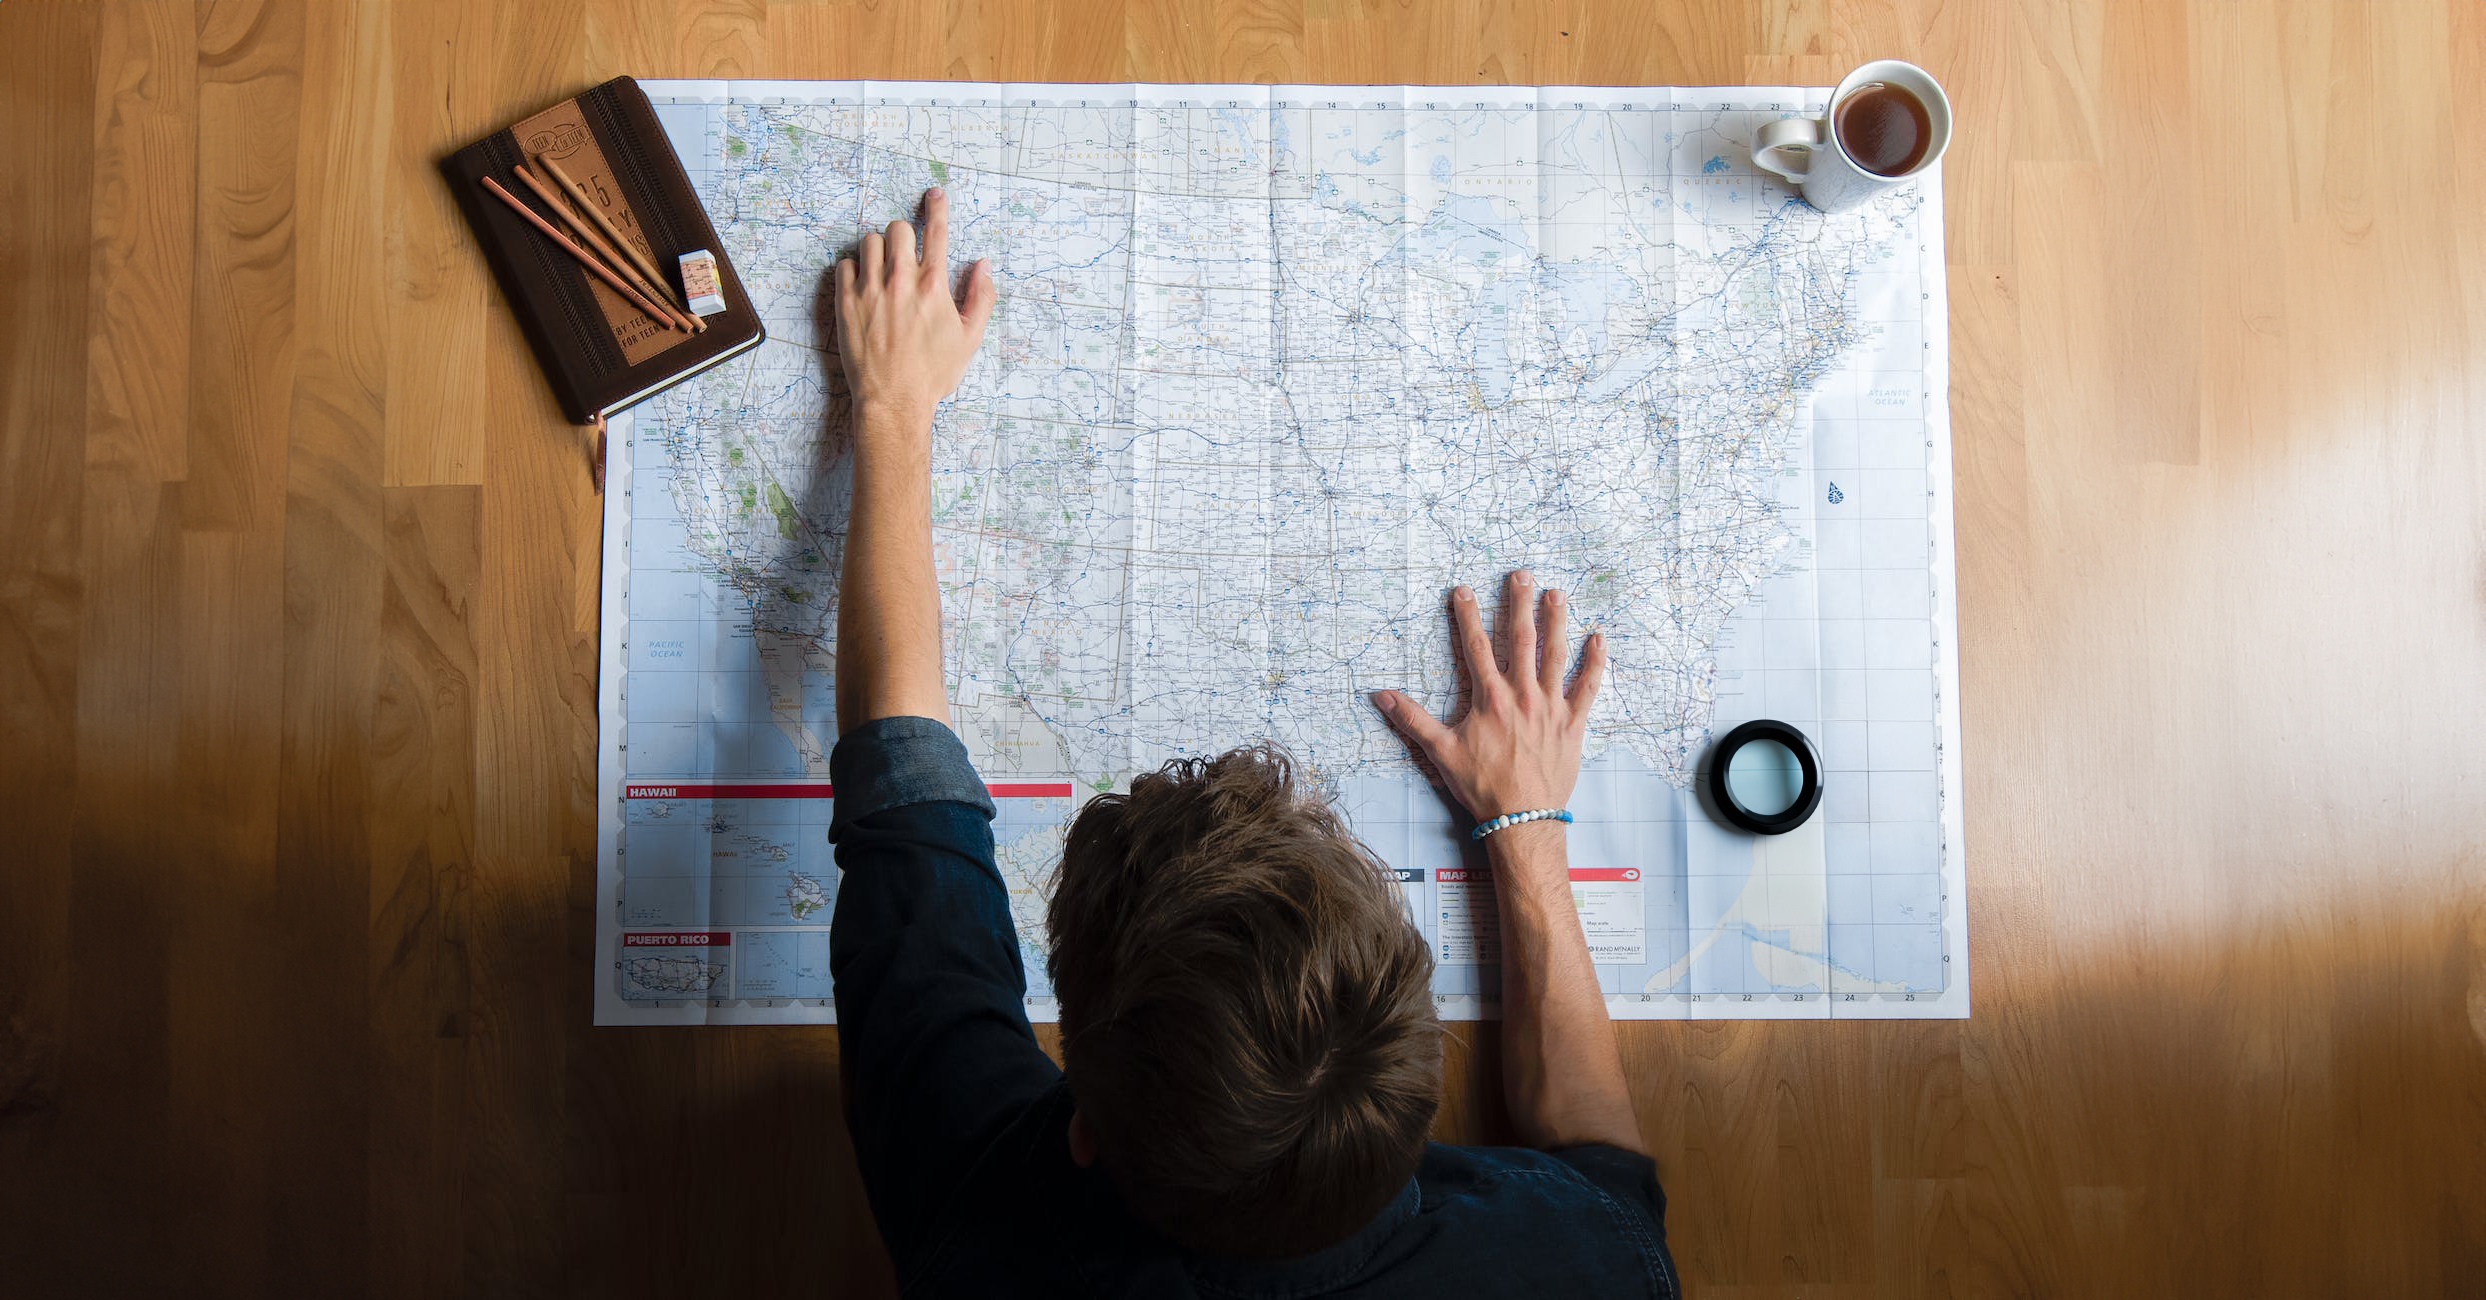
(1765, 777)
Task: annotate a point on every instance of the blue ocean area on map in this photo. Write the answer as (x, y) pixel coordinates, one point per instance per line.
(784, 964)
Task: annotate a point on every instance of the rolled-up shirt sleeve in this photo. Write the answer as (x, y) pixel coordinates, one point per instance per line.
(935, 1049)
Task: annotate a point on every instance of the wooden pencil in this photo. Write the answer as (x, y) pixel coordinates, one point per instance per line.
(596, 211)
(585, 233)
(584, 257)
(621, 256)
(561, 208)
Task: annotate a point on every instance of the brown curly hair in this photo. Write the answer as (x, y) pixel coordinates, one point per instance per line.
(1247, 1015)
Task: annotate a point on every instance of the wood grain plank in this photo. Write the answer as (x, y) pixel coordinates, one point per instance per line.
(1824, 1130)
(2058, 56)
(1259, 40)
(2277, 1060)
(1874, 29)
(138, 358)
(117, 1074)
(2151, 167)
(1727, 1179)
(333, 567)
(112, 1084)
(422, 840)
(723, 40)
(1248, 40)
(231, 614)
(1384, 42)
(1794, 70)
(242, 322)
(1990, 490)
(439, 288)
(1794, 28)
(1968, 50)
(222, 883)
(1078, 40)
(890, 40)
(533, 822)
(1168, 42)
(47, 95)
(2462, 1211)
(1918, 1134)
(537, 53)
(1696, 44)
(524, 987)
(2029, 358)
(297, 652)
(640, 38)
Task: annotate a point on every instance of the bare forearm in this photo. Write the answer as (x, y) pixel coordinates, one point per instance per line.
(1561, 1070)
(889, 609)
(903, 344)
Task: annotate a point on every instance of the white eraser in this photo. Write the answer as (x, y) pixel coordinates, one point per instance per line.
(699, 284)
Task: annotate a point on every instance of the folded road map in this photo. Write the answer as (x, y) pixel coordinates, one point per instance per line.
(1273, 368)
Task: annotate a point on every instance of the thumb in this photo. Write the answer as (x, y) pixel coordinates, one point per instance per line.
(980, 297)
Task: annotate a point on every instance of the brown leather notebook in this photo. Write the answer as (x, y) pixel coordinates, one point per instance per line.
(599, 352)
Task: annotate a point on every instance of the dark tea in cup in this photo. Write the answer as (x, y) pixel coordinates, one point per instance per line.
(1883, 128)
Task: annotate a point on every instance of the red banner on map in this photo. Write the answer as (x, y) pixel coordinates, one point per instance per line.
(820, 790)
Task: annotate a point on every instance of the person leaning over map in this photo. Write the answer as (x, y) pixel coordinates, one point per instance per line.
(1251, 1062)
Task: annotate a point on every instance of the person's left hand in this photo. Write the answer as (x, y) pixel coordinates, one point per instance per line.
(902, 338)
(1518, 748)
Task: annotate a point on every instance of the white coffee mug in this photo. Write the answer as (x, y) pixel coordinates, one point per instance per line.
(1808, 151)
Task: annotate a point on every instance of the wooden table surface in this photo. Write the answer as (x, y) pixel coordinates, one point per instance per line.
(298, 653)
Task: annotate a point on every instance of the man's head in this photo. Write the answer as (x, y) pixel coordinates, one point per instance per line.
(1247, 1015)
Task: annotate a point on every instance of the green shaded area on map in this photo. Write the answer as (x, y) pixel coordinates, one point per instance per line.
(782, 507)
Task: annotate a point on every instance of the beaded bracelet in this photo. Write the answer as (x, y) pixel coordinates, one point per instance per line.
(1486, 828)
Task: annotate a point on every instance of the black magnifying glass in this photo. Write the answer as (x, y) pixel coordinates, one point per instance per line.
(1765, 777)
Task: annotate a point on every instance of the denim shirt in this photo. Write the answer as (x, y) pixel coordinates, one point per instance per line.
(961, 1122)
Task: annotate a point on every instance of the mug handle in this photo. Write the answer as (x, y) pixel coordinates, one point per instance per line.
(1791, 135)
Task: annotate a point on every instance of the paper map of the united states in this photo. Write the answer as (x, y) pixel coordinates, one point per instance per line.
(1272, 369)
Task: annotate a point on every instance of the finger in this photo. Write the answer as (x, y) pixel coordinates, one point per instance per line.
(901, 249)
(980, 297)
(842, 296)
(1519, 625)
(1412, 720)
(870, 264)
(1592, 674)
(1475, 651)
(936, 232)
(1556, 648)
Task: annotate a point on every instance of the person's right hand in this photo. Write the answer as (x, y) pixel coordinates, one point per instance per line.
(1518, 748)
(902, 338)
